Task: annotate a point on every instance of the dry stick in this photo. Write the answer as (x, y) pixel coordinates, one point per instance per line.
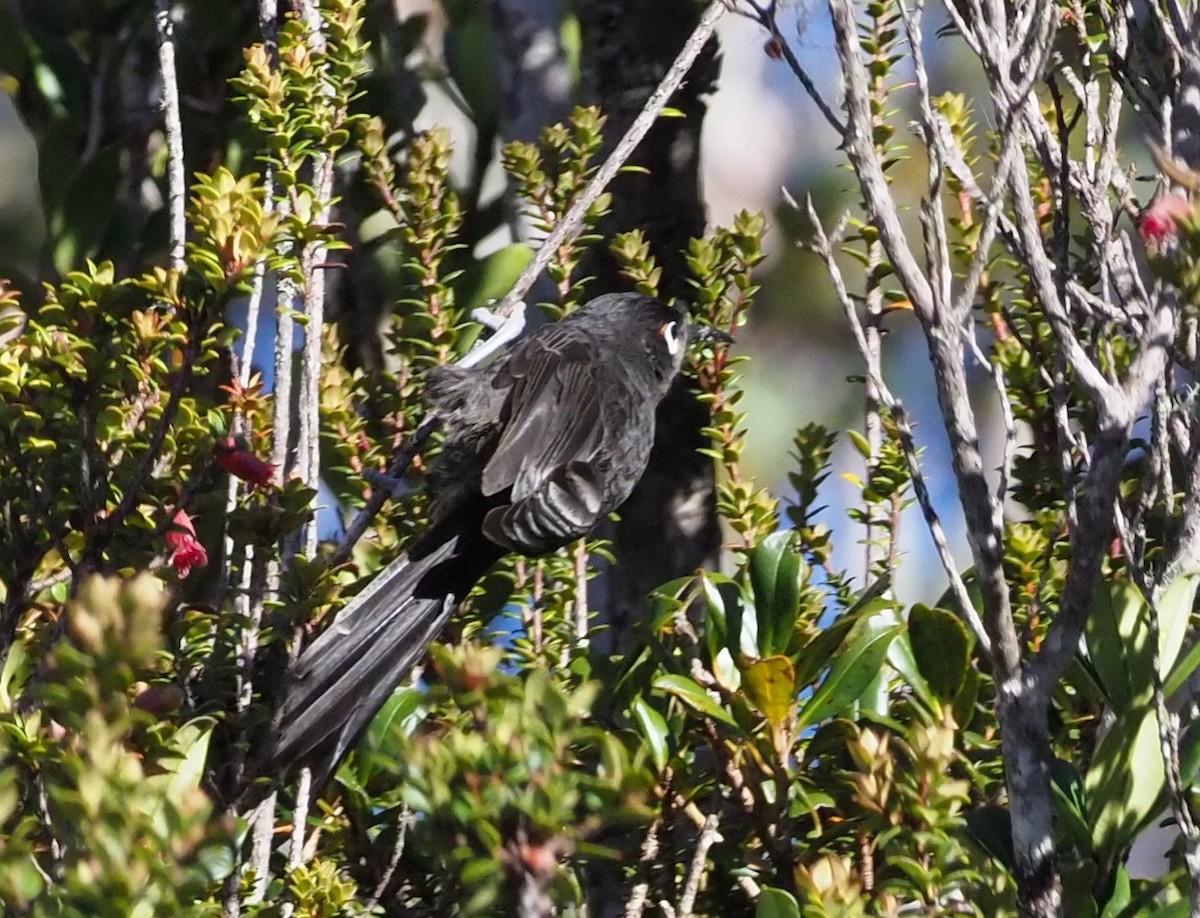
(262, 834)
(257, 286)
(635, 907)
(312, 257)
(176, 193)
(580, 603)
(385, 881)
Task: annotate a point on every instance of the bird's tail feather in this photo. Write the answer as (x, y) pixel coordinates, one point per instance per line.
(344, 677)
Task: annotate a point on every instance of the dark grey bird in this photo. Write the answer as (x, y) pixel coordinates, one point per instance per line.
(540, 446)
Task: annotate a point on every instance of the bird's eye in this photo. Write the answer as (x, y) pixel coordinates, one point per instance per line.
(668, 335)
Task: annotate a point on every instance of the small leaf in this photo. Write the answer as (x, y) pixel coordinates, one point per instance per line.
(653, 728)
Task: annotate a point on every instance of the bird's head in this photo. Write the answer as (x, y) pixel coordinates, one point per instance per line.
(665, 329)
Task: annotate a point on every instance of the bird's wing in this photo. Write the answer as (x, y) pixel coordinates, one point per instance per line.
(558, 414)
(553, 415)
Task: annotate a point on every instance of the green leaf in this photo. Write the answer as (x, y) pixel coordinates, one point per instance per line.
(777, 574)
(492, 276)
(853, 669)
(901, 658)
(770, 684)
(403, 704)
(941, 646)
(691, 694)
(1121, 894)
(1118, 638)
(1070, 801)
(14, 668)
(991, 825)
(87, 209)
(727, 624)
(653, 728)
(181, 773)
(1174, 613)
(1124, 780)
(776, 903)
(1182, 671)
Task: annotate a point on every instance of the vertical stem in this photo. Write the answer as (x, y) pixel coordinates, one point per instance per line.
(873, 422)
(311, 260)
(176, 192)
(580, 604)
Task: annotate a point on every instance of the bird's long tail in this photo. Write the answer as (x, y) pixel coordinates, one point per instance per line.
(346, 674)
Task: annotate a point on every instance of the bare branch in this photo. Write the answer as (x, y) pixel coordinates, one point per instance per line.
(176, 190)
(708, 837)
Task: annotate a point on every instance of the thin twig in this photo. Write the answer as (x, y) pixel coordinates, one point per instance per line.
(764, 15)
(176, 191)
(708, 837)
(385, 881)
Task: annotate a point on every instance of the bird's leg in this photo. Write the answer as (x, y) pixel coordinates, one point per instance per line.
(504, 331)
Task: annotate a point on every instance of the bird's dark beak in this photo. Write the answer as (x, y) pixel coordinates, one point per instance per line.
(707, 334)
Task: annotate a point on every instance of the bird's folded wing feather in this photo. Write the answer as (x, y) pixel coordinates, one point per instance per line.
(554, 417)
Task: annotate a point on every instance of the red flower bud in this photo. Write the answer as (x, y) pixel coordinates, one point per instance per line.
(238, 461)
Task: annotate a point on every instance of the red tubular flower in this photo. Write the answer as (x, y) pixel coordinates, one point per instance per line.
(233, 457)
(1157, 223)
(186, 550)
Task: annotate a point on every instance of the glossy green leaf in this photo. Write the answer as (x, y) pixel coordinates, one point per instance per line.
(1070, 803)
(691, 694)
(1174, 614)
(654, 730)
(492, 276)
(777, 574)
(902, 659)
(1121, 894)
(1182, 671)
(817, 655)
(181, 774)
(991, 825)
(853, 669)
(1124, 779)
(941, 646)
(400, 706)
